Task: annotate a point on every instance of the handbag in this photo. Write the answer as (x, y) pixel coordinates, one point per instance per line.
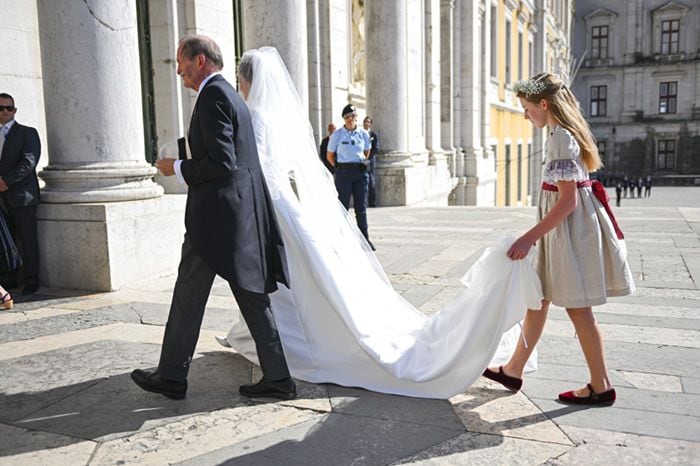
(10, 259)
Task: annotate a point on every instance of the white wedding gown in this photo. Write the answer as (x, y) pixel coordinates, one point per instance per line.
(341, 321)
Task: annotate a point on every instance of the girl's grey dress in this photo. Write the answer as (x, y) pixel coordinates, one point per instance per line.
(580, 262)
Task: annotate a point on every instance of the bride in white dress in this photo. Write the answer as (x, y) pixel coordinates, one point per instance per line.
(341, 321)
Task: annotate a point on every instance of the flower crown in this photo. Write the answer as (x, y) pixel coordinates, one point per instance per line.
(529, 87)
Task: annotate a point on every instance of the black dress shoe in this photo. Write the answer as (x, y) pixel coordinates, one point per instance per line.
(511, 383)
(152, 382)
(283, 389)
(29, 289)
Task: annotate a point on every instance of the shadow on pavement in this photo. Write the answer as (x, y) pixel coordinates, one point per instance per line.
(109, 407)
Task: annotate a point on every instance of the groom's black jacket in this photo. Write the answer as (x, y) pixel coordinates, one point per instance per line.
(229, 218)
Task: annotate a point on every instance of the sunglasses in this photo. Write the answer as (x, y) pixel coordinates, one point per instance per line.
(9, 108)
(350, 115)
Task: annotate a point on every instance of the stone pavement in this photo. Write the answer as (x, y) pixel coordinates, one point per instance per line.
(65, 356)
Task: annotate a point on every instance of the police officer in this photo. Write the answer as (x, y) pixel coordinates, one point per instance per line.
(348, 152)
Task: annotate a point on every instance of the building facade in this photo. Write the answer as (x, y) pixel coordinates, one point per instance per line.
(522, 38)
(98, 81)
(639, 85)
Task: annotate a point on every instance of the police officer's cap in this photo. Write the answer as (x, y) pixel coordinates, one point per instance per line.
(349, 108)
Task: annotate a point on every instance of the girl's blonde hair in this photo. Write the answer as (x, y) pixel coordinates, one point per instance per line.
(565, 109)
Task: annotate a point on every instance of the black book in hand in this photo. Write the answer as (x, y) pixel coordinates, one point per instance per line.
(182, 149)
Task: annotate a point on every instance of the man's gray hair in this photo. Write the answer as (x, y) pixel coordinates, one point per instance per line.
(191, 46)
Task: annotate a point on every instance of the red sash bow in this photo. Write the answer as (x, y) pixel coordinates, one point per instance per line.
(600, 193)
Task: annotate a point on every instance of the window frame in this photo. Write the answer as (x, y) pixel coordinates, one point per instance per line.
(667, 36)
(668, 153)
(597, 100)
(597, 49)
(668, 100)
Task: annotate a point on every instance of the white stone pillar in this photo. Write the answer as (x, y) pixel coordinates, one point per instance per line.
(432, 83)
(93, 101)
(458, 193)
(446, 78)
(387, 95)
(387, 80)
(281, 25)
(314, 54)
(471, 98)
(94, 116)
(486, 167)
(540, 46)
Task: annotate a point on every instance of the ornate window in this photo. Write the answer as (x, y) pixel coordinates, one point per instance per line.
(600, 27)
(669, 36)
(599, 101)
(599, 42)
(666, 154)
(669, 25)
(668, 95)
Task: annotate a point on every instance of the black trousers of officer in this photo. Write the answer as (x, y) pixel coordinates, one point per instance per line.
(194, 281)
(352, 180)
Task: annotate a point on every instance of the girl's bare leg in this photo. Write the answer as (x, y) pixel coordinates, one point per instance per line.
(591, 341)
(533, 325)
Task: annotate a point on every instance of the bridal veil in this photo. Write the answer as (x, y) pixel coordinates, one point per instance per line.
(341, 321)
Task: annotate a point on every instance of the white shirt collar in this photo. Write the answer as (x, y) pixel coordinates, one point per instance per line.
(7, 126)
(206, 80)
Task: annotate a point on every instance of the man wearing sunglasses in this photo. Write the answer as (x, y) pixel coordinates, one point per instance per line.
(20, 149)
(348, 152)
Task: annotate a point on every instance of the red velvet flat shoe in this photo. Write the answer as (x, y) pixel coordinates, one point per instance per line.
(511, 383)
(605, 398)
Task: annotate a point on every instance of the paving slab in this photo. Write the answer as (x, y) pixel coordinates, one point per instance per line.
(331, 439)
(663, 425)
(638, 357)
(487, 408)
(691, 384)
(578, 374)
(22, 447)
(359, 402)
(602, 446)
(199, 434)
(628, 398)
(474, 448)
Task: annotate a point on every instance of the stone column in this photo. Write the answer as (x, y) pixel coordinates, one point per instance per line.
(314, 55)
(93, 105)
(540, 46)
(446, 77)
(458, 194)
(90, 64)
(387, 95)
(433, 83)
(486, 195)
(387, 80)
(469, 89)
(281, 25)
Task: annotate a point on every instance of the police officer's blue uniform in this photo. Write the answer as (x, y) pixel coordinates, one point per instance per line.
(351, 176)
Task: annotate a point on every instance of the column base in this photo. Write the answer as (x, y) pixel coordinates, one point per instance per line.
(106, 246)
(404, 182)
(112, 182)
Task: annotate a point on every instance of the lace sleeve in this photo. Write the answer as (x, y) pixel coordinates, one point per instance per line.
(563, 170)
(565, 163)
